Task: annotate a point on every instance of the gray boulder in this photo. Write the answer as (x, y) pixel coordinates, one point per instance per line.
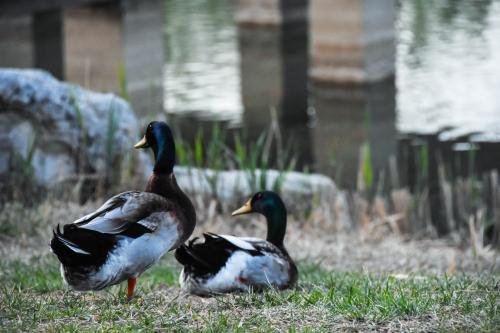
(60, 129)
(300, 191)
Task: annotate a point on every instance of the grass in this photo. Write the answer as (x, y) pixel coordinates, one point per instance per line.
(33, 297)
(212, 151)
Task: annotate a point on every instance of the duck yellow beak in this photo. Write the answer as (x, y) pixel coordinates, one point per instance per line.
(245, 209)
(141, 144)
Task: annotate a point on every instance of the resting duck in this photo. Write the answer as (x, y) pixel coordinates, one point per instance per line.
(132, 230)
(224, 263)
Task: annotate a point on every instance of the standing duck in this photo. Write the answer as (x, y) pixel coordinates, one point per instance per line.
(224, 263)
(132, 230)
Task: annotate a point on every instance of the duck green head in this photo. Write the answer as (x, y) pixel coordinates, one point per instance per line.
(272, 207)
(159, 138)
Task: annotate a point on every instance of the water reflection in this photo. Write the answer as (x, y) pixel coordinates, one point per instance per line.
(346, 118)
(447, 65)
(202, 68)
(104, 46)
(448, 60)
(295, 61)
(274, 67)
(261, 79)
(271, 83)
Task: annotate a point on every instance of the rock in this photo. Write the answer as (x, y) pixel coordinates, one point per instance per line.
(299, 190)
(61, 129)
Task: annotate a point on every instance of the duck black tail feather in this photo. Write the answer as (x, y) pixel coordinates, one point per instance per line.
(203, 259)
(80, 247)
(61, 248)
(186, 255)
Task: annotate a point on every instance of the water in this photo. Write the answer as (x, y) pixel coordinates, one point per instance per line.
(448, 67)
(202, 72)
(447, 84)
(444, 94)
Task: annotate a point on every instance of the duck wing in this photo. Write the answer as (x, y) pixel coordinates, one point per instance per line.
(208, 257)
(251, 245)
(88, 240)
(130, 213)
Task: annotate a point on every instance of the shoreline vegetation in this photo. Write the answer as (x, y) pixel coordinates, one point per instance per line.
(371, 258)
(465, 208)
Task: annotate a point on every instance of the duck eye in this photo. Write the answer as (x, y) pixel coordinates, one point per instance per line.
(258, 196)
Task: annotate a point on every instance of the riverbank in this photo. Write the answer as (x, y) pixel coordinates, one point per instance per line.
(348, 281)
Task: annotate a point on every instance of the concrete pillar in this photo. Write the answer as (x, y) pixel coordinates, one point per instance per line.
(295, 61)
(258, 12)
(16, 49)
(274, 60)
(48, 42)
(261, 68)
(93, 46)
(77, 44)
(352, 41)
(143, 54)
(89, 42)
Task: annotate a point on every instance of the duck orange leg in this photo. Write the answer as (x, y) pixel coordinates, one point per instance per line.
(131, 287)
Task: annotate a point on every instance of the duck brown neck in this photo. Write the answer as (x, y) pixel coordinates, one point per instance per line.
(165, 184)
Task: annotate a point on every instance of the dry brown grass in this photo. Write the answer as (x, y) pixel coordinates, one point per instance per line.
(377, 248)
(34, 298)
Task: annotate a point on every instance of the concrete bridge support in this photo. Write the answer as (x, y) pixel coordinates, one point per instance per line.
(274, 58)
(91, 43)
(258, 12)
(352, 41)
